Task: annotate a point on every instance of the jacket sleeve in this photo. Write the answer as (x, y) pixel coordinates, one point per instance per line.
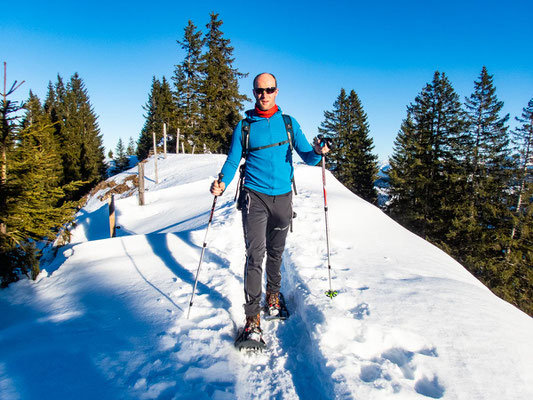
(234, 156)
(302, 146)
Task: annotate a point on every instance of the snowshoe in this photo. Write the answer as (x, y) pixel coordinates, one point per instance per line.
(251, 336)
(275, 307)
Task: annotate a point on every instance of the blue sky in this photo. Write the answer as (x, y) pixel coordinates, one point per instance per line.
(385, 51)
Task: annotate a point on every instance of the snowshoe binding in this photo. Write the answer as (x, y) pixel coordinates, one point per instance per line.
(275, 307)
(251, 337)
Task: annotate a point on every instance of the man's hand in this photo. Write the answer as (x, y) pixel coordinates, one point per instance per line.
(217, 188)
(320, 145)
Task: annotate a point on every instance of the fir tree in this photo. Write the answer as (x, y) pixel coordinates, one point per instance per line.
(523, 141)
(425, 165)
(518, 273)
(130, 151)
(221, 100)
(82, 125)
(34, 111)
(77, 131)
(121, 159)
(405, 168)
(8, 118)
(188, 81)
(144, 143)
(351, 160)
(159, 109)
(34, 207)
(484, 229)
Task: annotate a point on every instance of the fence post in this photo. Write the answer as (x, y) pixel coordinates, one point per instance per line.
(141, 183)
(155, 159)
(177, 140)
(112, 219)
(165, 140)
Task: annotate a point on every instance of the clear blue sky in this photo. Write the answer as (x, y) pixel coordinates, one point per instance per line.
(386, 52)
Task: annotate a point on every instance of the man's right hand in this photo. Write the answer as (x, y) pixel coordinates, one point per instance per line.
(217, 188)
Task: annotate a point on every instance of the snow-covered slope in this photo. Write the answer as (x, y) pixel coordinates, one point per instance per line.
(108, 318)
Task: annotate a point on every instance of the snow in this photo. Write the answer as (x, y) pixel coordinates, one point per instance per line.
(107, 319)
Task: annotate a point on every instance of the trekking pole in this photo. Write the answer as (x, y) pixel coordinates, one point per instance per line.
(203, 248)
(330, 293)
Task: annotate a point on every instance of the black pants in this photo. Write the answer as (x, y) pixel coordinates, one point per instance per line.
(266, 220)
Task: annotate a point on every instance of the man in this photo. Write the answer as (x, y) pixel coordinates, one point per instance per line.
(266, 200)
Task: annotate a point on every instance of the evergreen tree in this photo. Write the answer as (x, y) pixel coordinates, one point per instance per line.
(405, 169)
(8, 118)
(82, 126)
(77, 131)
(518, 273)
(122, 161)
(34, 111)
(34, 208)
(334, 125)
(484, 230)
(221, 100)
(425, 165)
(523, 141)
(188, 81)
(130, 151)
(145, 141)
(159, 109)
(351, 160)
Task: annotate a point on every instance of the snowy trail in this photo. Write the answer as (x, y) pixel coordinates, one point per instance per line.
(108, 319)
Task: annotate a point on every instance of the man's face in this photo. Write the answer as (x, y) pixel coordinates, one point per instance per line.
(264, 100)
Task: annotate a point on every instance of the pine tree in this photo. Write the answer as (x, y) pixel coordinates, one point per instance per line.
(34, 208)
(425, 165)
(82, 126)
(523, 141)
(34, 111)
(351, 160)
(221, 100)
(8, 118)
(122, 161)
(77, 131)
(334, 125)
(159, 109)
(130, 151)
(188, 81)
(405, 169)
(486, 222)
(518, 273)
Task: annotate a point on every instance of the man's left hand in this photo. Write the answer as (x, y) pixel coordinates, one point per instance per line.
(320, 147)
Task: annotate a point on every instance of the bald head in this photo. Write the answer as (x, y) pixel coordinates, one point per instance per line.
(267, 74)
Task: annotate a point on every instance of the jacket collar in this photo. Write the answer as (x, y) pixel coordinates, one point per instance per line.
(252, 116)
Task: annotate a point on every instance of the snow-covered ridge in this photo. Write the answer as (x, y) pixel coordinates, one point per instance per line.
(108, 319)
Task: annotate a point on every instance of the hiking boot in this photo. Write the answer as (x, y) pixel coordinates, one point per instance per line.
(272, 303)
(252, 328)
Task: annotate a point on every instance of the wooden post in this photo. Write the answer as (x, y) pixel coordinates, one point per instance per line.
(182, 148)
(165, 140)
(177, 140)
(112, 219)
(141, 183)
(155, 159)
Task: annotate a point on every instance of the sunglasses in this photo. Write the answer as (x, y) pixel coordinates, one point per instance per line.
(269, 90)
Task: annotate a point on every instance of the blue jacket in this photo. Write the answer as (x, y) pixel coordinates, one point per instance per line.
(269, 170)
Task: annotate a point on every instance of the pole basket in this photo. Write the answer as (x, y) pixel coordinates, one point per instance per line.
(331, 293)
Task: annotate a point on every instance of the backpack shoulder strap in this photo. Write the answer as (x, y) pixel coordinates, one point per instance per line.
(288, 127)
(245, 136)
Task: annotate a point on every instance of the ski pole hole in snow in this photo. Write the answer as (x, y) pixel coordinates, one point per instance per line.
(430, 388)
